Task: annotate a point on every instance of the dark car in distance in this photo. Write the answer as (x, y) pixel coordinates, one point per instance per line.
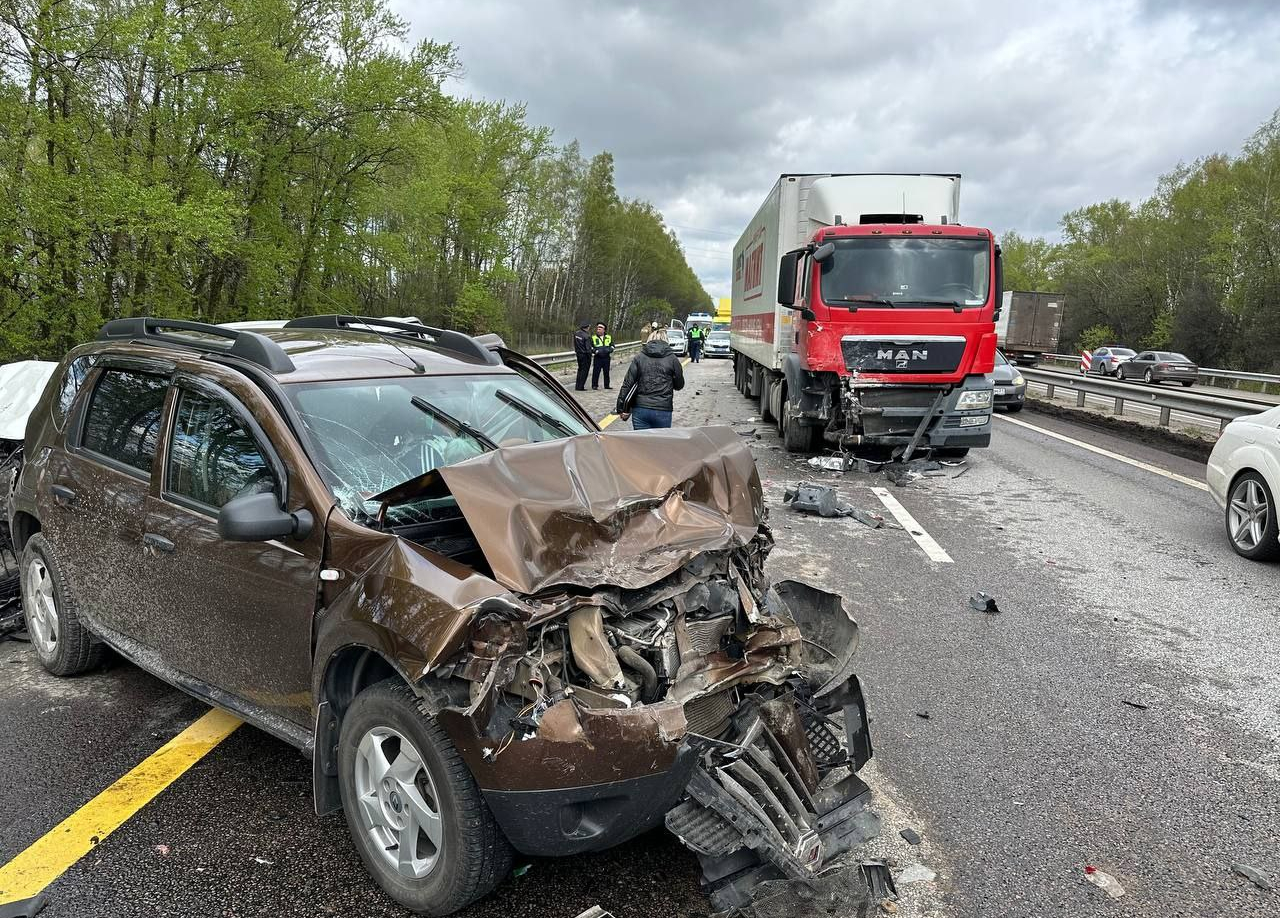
(1010, 386)
(1160, 366)
(490, 626)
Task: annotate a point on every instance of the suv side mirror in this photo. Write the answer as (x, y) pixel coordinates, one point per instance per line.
(258, 518)
(787, 278)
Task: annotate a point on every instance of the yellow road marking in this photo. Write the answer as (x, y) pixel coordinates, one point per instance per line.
(49, 857)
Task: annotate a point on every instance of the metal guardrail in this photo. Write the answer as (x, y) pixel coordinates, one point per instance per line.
(548, 360)
(1223, 410)
(1206, 373)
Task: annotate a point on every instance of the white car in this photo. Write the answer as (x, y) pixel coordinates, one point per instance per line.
(675, 338)
(1244, 476)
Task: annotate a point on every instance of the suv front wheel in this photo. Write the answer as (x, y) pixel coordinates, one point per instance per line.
(64, 645)
(415, 813)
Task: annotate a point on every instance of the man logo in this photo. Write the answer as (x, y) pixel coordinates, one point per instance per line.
(902, 355)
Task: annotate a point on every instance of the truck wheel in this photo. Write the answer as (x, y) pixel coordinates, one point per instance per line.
(64, 645)
(766, 391)
(415, 814)
(796, 438)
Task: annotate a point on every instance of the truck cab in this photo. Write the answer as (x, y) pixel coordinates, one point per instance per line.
(893, 326)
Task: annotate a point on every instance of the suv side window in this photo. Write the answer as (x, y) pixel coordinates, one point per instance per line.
(123, 420)
(75, 376)
(212, 457)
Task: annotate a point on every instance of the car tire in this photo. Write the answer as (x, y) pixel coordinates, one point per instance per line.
(472, 856)
(1148, 378)
(796, 437)
(1257, 542)
(1187, 383)
(1014, 408)
(64, 646)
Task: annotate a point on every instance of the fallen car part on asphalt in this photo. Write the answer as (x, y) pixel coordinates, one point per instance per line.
(981, 602)
(642, 668)
(841, 890)
(820, 500)
(910, 836)
(595, 912)
(879, 880)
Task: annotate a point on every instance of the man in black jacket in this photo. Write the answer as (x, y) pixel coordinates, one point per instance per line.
(582, 349)
(656, 374)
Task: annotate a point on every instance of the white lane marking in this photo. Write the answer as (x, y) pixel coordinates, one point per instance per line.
(1172, 476)
(914, 529)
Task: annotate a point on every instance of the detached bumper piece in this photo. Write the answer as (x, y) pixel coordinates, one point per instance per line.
(776, 800)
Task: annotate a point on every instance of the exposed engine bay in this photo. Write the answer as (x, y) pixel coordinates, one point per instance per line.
(748, 685)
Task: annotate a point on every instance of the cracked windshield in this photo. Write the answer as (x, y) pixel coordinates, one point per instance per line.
(370, 435)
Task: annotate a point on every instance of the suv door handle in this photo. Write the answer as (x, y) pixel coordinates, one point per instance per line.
(157, 541)
(63, 494)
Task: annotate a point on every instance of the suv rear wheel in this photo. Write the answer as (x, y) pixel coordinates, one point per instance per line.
(64, 645)
(417, 818)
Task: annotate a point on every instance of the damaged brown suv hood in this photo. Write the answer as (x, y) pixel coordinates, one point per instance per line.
(624, 509)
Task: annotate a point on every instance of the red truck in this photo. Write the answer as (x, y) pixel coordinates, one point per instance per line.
(863, 314)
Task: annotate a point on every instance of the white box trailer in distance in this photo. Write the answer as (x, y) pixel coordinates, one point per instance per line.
(796, 207)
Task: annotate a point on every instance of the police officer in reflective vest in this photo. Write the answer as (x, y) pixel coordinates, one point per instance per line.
(602, 346)
(696, 334)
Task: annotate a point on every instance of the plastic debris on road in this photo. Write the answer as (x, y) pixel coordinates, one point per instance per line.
(820, 500)
(827, 463)
(1135, 704)
(879, 880)
(1104, 881)
(981, 602)
(910, 836)
(916, 873)
(1253, 875)
(595, 912)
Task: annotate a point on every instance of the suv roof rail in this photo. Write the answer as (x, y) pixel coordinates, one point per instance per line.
(443, 338)
(247, 345)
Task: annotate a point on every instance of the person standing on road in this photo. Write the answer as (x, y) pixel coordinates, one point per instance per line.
(582, 349)
(696, 334)
(656, 373)
(602, 347)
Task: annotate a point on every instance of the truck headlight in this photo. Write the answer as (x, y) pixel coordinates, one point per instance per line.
(974, 398)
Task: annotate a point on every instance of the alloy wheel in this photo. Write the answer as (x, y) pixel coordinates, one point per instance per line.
(1147, 376)
(42, 608)
(1248, 514)
(398, 804)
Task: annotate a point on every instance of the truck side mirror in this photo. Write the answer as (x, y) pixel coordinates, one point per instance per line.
(824, 251)
(787, 278)
(999, 283)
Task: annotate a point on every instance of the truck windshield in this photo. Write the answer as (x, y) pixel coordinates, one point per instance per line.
(372, 434)
(879, 272)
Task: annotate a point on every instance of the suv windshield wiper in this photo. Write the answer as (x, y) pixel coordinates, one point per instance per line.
(450, 421)
(535, 414)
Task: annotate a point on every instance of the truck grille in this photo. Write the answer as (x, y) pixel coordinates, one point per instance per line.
(940, 354)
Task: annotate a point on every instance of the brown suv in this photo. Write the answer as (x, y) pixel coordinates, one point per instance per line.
(411, 554)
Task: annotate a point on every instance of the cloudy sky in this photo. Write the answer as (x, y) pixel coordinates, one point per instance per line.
(1042, 106)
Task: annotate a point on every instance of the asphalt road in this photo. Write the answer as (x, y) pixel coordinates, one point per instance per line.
(1116, 585)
